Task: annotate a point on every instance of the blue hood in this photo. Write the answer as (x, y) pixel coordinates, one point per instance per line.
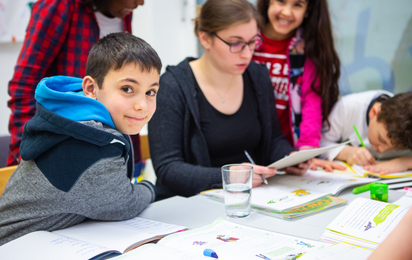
(64, 96)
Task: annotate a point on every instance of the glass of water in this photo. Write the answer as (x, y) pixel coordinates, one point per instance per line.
(237, 186)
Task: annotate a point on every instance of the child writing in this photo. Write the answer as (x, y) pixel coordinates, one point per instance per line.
(384, 124)
(76, 152)
(303, 65)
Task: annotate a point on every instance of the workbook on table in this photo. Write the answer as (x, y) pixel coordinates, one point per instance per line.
(229, 241)
(362, 172)
(286, 192)
(366, 223)
(88, 240)
(338, 251)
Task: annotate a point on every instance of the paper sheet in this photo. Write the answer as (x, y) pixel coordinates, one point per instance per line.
(302, 156)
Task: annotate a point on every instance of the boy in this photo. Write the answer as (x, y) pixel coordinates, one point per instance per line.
(383, 121)
(77, 156)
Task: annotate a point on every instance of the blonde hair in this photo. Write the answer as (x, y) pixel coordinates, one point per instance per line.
(217, 15)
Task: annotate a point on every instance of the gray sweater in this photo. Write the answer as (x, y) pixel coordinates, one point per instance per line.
(177, 145)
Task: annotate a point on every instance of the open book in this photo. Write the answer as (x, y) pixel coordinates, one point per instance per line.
(338, 251)
(286, 192)
(366, 222)
(362, 172)
(230, 241)
(88, 240)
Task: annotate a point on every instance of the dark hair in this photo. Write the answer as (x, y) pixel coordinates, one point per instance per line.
(116, 50)
(319, 47)
(396, 115)
(217, 15)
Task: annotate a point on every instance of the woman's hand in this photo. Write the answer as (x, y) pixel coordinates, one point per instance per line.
(265, 171)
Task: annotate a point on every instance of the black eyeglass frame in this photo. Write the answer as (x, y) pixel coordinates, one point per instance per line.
(244, 43)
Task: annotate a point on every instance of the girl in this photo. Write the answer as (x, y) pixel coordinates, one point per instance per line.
(304, 67)
(210, 110)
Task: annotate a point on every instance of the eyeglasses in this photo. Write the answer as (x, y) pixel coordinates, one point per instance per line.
(239, 46)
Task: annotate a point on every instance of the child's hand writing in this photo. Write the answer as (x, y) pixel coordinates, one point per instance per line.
(327, 165)
(359, 155)
(400, 164)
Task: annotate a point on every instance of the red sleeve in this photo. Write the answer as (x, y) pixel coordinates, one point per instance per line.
(45, 34)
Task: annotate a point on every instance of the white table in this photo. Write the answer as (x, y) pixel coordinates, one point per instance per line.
(198, 211)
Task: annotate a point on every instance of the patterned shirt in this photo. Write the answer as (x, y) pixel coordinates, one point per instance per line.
(58, 39)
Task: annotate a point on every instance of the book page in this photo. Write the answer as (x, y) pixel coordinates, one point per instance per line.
(119, 235)
(320, 181)
(234, 241)
(48, 246)
(365, 219)
(281, 197)
(359, 169)
(339, 251)
(156, 252)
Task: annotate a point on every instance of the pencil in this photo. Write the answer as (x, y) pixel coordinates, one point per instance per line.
(360, 138)
(252, 162)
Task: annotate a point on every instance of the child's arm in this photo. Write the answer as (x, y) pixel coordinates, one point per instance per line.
(327, 165)
(356, 155)
(400, 164)
(398, 244)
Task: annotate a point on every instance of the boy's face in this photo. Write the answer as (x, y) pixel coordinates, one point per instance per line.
(129, 94)
(378, 136)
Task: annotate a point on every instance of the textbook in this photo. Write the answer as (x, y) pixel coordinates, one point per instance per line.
(338, 251)
(359, 170)
(228, 241)
(286, 192)
(366, 222)
(88, 240)
(302, 156)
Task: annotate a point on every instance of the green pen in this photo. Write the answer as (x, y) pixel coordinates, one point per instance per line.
(360, 138)
(361, 189)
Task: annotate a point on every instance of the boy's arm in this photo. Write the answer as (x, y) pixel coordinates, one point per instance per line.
(356, 155)
(400, 164)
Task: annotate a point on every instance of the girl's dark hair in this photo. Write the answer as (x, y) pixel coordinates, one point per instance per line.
(217, 15)
(319, 47)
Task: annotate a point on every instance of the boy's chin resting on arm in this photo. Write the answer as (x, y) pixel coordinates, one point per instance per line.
(400, 164)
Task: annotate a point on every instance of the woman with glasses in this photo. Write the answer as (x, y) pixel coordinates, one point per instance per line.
(212, 109)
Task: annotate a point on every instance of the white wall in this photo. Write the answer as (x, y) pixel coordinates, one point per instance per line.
(8, 57)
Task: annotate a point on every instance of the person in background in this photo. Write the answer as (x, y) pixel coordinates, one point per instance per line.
(303, 66)
(384, 123)
(210, 110)
(58, 39)
(76, 152)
